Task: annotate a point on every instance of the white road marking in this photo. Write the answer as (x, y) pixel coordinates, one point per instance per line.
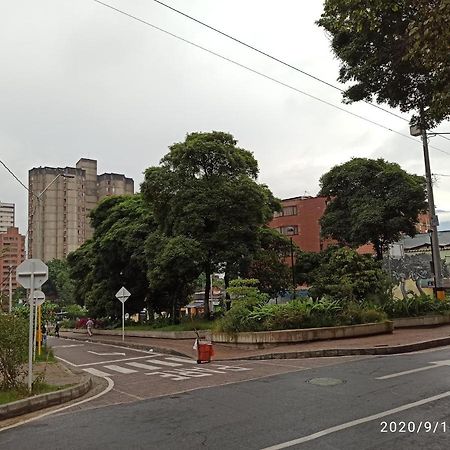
(419, 369)
(142, 366)
(120, 369)
(67, 346)
(97, 373)
(172, 376)
(106, 354)
(181, 360)
(231, 368)
(107, 361)
(165, 363)
(356, 422)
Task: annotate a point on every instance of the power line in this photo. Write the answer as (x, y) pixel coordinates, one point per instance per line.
(13, 174)
(274, 58)
(131, 16)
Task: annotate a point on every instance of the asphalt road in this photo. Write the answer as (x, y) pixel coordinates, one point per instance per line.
(346, 404)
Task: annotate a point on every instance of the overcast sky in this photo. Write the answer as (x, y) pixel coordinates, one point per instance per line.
(80, 80)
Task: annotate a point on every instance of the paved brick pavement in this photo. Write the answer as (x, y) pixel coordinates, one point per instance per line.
(431, 336)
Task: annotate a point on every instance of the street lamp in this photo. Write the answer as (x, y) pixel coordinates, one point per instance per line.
(435, 252)
(290, 232)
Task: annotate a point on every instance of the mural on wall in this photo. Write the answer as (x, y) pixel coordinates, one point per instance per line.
(412, 274)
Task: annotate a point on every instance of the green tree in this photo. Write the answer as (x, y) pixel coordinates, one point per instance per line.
(268, 265)
(114, 257)
(371, 201)
(395, 51)
(59, 286)
(205, 189)
(173, 268)
(345, 275)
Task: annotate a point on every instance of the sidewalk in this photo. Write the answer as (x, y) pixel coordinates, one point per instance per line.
(400, 341)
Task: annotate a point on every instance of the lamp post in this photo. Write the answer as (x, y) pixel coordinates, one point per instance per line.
(290, 232)
(435, 253)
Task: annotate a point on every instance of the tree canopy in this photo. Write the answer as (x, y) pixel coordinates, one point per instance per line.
(394, 50)
(371, 201)
(114, 257)
(205, 189)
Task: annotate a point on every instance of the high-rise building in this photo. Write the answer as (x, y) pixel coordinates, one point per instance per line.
(12, 252)
(6, 216)
(60, 200)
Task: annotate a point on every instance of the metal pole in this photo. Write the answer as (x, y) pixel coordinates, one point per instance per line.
(123, 321)
(31, 333)
(435, 254)
(39, 329)
(10, 289)
(292, 269)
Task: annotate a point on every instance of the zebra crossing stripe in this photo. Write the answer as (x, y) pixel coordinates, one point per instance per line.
(143, 366)
(181, 360)
(97, 373)
(165, 363)
(120, 369)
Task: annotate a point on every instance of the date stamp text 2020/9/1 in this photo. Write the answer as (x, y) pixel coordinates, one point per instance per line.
(422, 426)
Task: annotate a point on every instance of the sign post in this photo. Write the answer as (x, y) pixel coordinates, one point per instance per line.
(31, 274)
(122, 295)
(38, 301)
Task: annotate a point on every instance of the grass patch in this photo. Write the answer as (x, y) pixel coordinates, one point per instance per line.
(21, 393)
(46, 355)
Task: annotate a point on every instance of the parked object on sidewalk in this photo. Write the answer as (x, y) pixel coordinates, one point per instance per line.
(204, 351)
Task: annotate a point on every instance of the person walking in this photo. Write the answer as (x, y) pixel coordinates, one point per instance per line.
(89, 325)
(57, 329)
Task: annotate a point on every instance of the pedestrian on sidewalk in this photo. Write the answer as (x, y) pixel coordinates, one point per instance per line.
(57, 329)
(89, 325)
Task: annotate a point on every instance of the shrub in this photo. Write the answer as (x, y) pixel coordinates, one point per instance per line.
(416, 305)
(13, 350)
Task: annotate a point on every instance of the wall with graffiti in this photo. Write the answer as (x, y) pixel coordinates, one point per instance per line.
(412, 274)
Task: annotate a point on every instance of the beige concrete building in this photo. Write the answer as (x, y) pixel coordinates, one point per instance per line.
(6, 216)
(60, 200)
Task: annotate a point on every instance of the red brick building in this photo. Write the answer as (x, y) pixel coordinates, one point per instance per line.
(12, 253)
(300, 219)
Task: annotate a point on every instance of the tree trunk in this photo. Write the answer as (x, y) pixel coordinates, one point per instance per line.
(227, 283)
(207, 312)
(379, 249)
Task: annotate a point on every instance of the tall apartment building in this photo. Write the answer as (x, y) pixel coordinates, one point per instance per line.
(6, 216)
(12, 253)
(60, 200)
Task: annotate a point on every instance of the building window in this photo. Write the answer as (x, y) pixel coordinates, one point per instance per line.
(287, 211)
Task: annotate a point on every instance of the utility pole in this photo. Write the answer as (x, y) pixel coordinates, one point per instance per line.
(10, 289)
(435, 253)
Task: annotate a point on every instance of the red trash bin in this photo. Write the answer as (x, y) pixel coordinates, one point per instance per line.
(204, 352)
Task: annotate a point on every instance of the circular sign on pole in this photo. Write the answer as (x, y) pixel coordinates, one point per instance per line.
(32, 269)
(38, 298)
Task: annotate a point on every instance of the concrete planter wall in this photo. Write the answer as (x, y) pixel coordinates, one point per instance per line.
(263, 339)
(146, 334)
(406, 322)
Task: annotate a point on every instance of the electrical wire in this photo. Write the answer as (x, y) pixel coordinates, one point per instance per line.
(13, 174)
(138, 19)
(278, 60)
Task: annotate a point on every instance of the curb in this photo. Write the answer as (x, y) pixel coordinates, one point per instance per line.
(389, 350)
(134, 345)
(323, 353)
(41, 401)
